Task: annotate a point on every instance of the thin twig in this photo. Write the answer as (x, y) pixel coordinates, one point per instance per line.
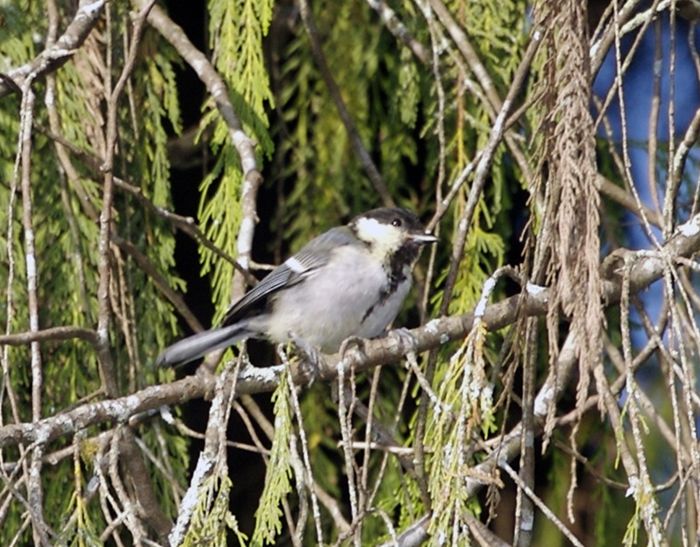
(465, 222)
(398, 29)
(244, 145)
(57, 53)
(34, 486)
(353, 134)
(540, 504)
(308, 473)
(187, 225)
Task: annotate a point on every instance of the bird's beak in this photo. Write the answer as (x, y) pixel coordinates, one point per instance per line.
(423, 238)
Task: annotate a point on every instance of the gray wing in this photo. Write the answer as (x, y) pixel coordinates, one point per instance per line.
(314, 255)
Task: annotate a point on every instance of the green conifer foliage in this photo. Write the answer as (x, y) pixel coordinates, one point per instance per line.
(522, 409)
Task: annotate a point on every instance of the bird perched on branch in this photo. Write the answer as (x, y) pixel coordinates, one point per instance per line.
(348, 282)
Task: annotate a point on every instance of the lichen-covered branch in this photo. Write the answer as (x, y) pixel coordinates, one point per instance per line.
(533, 301)
(56, 54)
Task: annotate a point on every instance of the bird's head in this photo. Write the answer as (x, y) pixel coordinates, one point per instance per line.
(389, 230)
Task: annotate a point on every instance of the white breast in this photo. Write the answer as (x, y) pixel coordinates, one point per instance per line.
(333, 303)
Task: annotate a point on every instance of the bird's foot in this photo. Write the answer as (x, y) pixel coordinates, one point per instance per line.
(359, 343)
(404, 337)
(311, 360)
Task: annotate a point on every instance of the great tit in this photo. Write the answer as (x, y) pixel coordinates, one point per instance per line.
(348, 282)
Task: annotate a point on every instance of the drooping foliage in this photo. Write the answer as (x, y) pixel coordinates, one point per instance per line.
(479, 113)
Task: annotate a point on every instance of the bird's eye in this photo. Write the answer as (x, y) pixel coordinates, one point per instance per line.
(396, 222)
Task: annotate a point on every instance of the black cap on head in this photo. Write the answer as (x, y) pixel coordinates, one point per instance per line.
(396, 216)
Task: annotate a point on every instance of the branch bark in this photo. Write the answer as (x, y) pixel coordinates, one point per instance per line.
(244, 145)
(647, 268)
(60, 51)
(353, 134)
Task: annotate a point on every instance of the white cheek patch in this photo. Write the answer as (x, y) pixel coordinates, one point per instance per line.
(294, 265)
(383, 238)
(368, 229)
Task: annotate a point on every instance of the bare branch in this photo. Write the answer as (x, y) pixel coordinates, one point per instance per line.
(54, 333)
(542, 506)
(398, 29)
(647, 268)
(244, 145)
(59, 52)
(160, 282)
(482, 167)
(358, 147)
(211, 457)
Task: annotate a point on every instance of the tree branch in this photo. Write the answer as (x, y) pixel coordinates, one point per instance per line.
(244, 145)
(399, 30)
(533, 301)
(60, 51)
(54, 333)
(353, 134)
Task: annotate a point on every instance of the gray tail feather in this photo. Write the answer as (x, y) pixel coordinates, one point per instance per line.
(195, 346)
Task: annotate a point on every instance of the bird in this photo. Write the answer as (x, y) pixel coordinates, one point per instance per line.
(349, 282)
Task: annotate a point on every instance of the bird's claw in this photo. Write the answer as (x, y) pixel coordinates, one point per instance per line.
(359, 343)
(404, 337)
(311, 360)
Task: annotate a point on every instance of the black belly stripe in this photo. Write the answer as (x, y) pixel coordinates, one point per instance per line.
(384, 295)
(396, 274)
